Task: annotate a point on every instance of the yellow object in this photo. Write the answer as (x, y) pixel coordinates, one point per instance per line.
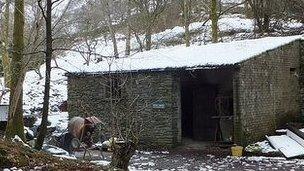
(237, 151)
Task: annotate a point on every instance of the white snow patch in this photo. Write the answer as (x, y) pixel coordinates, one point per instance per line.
(65, 157)
(145, 152)
(58, 120)
(263, 147)
(101, 162)
(17, 139)
(54, 150)
(148, 164)
(193, 56)
(28, 131)
(261, 158)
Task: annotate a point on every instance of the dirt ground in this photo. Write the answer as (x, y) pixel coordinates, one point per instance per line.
(200, 161)
(189, 158)
(206, 159)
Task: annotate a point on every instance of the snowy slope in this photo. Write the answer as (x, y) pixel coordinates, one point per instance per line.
(178, 56)
(225, 23)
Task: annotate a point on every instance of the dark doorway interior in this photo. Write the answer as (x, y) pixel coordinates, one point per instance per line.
(207, 107)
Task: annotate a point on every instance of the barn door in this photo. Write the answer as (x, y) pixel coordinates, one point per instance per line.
(203, 110)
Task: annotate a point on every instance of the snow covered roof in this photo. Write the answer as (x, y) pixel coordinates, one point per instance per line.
(217, 54)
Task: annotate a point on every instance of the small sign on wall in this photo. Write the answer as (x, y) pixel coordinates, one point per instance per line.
(159, 104)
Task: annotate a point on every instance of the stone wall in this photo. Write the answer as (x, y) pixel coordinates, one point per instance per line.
(266, 92)
(157, 103)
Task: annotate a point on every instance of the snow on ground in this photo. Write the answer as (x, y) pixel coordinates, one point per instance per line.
(261, 147)
(54, 150)
(226, 23)
(232, 1)
(196, 161)
(166, 57)
(58, 120)
(101, 162)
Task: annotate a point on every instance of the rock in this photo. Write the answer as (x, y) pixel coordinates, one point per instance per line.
(29, 120)
(18, 140)
(29, 134)
(54, 150)
(63, 106)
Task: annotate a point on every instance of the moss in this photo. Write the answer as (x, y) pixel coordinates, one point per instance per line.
(287, 118)
(4, 161)
(16, 155)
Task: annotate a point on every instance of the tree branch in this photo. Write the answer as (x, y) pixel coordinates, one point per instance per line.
(41, 8)
(80, 51)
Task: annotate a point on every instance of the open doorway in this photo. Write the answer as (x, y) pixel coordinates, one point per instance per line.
(207, 105)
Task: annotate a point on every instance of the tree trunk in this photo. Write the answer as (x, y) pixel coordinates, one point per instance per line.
(39, 73)
(148, 38)
(15, 118)
(267, 12)
(214, 20)
(141, 46)
(48, 59)
(112, 32)
(187, 11)
(122, 154)
(266, 23)
(247, 9)
(128, 37)
(128, 42)
(5, 36)
(261, 12)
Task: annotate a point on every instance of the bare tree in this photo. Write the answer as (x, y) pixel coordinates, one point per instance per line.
(296, 8)
(106, 8)
(5, 43)
(262, 11)
(214, 21)
(15, 119)
(186, 18)
(128, 32)
(48, 58)
(149, 12)
(126, 123)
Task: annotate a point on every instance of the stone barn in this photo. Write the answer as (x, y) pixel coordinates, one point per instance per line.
(226, 92)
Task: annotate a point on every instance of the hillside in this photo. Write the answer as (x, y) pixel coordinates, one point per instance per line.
(232, 27)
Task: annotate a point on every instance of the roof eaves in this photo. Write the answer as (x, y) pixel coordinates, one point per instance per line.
(199, 67)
